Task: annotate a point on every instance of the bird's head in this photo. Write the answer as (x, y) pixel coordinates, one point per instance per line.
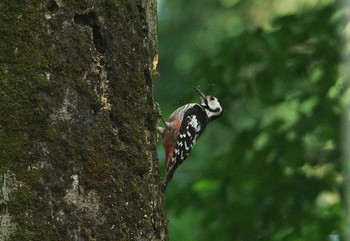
(210, 104)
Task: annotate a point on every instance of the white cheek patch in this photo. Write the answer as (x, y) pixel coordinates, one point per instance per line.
(214, 105)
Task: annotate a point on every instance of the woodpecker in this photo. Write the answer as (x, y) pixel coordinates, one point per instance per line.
(183, 128)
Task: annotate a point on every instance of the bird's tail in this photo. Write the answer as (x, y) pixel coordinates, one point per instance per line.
(168, 179)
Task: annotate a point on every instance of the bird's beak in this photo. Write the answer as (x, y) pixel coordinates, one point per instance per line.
(200, 93)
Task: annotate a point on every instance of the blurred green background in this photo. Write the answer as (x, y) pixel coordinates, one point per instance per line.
(269, 168)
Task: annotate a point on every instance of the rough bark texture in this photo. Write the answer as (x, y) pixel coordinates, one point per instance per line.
(78, 154)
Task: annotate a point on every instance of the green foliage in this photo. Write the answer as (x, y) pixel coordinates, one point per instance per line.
(269, 168)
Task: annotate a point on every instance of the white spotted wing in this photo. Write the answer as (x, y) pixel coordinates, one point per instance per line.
(191, 128)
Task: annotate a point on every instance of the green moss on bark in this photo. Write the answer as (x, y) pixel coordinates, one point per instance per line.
(85, 168)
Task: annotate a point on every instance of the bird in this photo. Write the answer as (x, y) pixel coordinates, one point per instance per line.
(184, 126)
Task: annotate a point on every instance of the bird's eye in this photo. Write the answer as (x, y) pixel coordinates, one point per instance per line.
(212, 98)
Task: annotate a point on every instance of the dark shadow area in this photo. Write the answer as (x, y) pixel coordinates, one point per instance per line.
(90, 19)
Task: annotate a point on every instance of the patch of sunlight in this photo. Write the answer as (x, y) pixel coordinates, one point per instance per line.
(287, 112)
(288, 171)
(261, 141)
(264, 11)
(307, 106)
(327, 198)
(291, 6)
(329, 145)
(318, 171)
(206, 185)
(316, 74)
(346, 33)
(336, 89)
(345, 99)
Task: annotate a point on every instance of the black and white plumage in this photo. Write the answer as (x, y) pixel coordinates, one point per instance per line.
(183, 128)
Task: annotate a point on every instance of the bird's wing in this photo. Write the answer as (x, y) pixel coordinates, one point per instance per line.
(191, 128)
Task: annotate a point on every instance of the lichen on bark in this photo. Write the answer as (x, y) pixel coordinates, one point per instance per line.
(77, 125)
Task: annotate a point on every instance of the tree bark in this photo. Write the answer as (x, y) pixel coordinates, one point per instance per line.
(78, 156)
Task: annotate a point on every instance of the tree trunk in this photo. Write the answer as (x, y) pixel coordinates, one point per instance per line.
(78, 154)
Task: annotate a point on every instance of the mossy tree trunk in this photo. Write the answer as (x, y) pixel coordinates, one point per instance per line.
(78, 154)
